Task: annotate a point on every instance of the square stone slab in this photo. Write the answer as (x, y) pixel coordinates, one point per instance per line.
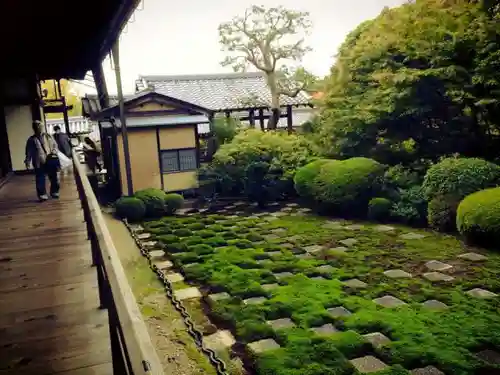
(149, 244)
(489, 356)
(481, 293)
(332, 225)
(165, 265)
(326, 329)
(325, 268)
(270, 218)
(286, 209)
(174, 277)
(144, 236)
(435, 305)
(262, 346)
(269, 286)
(157, 254)
(271, 237)
(254, 300)
(303, 255)
(219, 340)
(429, 370)
(355, 284)
(274, 253)
(287, 245)
(313, 248)
(339, 311)
(340, 249)
(304, 210)
(136, 227)
(282, 275)
(368, 364)
(354, 227)
(474, 257)
(384, 228)
(281, 323)
(187, 293)
(377, 339)
(412, 236)
(348, 241)
(278, 214)
(279, 230)
(437, 276)
(389, 301)
(397, 274)
(436, 265)
(213, 298)
(295, 238)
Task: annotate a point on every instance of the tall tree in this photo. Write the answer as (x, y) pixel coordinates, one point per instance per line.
(272, 41)
(69, 91)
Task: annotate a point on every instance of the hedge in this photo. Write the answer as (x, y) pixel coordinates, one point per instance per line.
(130, 208)
(478, 217)
(154, 200)
(173, 202)
(460, 177)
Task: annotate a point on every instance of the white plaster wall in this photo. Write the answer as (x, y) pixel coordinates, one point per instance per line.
(18, 119)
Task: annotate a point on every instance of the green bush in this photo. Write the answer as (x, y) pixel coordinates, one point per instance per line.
(201, 249)
(379, 209)
(460, 177)
(130, 208)
(478, 217)
(168, 238)
(173, 202)
(193, 240)
(442, 212)
(216, 228)
(196, 226)
(398, 176)
(345, 186)
(154, 200)
(411, 208)
(176, 247)
(215, 241)
(205, 233)
(183, 232)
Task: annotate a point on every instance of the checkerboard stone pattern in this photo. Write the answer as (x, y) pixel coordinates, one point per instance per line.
(377, 339)
(368, 364)
(397, 274)
(389, 301)
(355, 284)
(338, 312)
(437, 276)
(436, 265)
(187, 293)
(281, 323)
(481, 293)
(262, 346)
(326, 329)
(219, 340)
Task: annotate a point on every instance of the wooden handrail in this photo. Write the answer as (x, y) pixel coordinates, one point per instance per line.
(138, 351)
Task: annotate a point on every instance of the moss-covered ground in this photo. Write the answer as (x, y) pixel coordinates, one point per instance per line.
(240, 254)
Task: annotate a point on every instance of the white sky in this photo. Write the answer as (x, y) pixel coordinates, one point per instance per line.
(181, 37)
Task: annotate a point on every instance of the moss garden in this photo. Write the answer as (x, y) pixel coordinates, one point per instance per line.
(309, 295)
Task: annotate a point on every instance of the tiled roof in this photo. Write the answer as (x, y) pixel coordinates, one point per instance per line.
(218, 92)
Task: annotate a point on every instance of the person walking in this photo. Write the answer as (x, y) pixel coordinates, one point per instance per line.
(92, 153)
(41, 153)
(63, 144)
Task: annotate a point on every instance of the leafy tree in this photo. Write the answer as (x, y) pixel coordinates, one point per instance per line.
(418, 82)
(268, 39)
(69, 91)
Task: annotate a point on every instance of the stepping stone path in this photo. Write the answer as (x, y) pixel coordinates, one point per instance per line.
(281, 323)
(313, 248)
(429, 370)
(219, 340)
(278, 230)
(481, 293)
(165, 265)
(332, 225)
(355, 284)
(325, 268)
(437, 276)
(254, 300)
(474, 257)
(270, 218)
(412, 236)
(136, 227)
(278, 214)
(368, 364)
(157, 254)
(326, 329)
(149, 244)
(354, 227)
(339, 249)
(262, 346)
(271, 237)
(389, 301)
(377, 339)
(489, 356)
(187, 293)
(269, 286)
(384, 228)
(435, 305)
(295, 238)
(282, 275)
(349, 241)
(436, 265)
(174, 277)
(287, 245)
(397, 274)
(213, 298)
(339, 311)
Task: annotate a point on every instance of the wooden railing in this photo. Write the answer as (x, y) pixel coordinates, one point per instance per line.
(132, 350)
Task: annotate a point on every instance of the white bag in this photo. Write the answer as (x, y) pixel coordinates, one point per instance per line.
(65, 162)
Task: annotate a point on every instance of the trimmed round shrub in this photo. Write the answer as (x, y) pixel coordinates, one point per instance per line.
(173, 202)
(187, 258)
(341, 185)
(208, 220)
(379, 209)
(215, 241)
(154, 200)
(168, 238)
(176, 247)
(183, 232)
(242, 244)
(130, 208)
(460, 177)
(229, 235)
(478, 217)
(205, 233)
(442, 213)
(254, 237)
(216, 228)
(194, 240)
(201, 249)
(196, 226)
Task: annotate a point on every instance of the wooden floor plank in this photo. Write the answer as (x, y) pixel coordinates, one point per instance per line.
(50, 321)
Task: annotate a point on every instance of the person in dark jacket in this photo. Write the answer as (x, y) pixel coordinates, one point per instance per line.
(62, 140)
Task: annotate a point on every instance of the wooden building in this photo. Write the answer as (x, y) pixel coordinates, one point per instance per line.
(163, 141)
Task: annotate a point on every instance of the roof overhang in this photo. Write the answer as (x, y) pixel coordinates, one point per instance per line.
(54, 40)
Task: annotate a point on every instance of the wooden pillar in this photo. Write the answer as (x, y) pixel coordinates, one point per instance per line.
(251, 118)
(100, 84)
(289, 119)
(261, 119)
